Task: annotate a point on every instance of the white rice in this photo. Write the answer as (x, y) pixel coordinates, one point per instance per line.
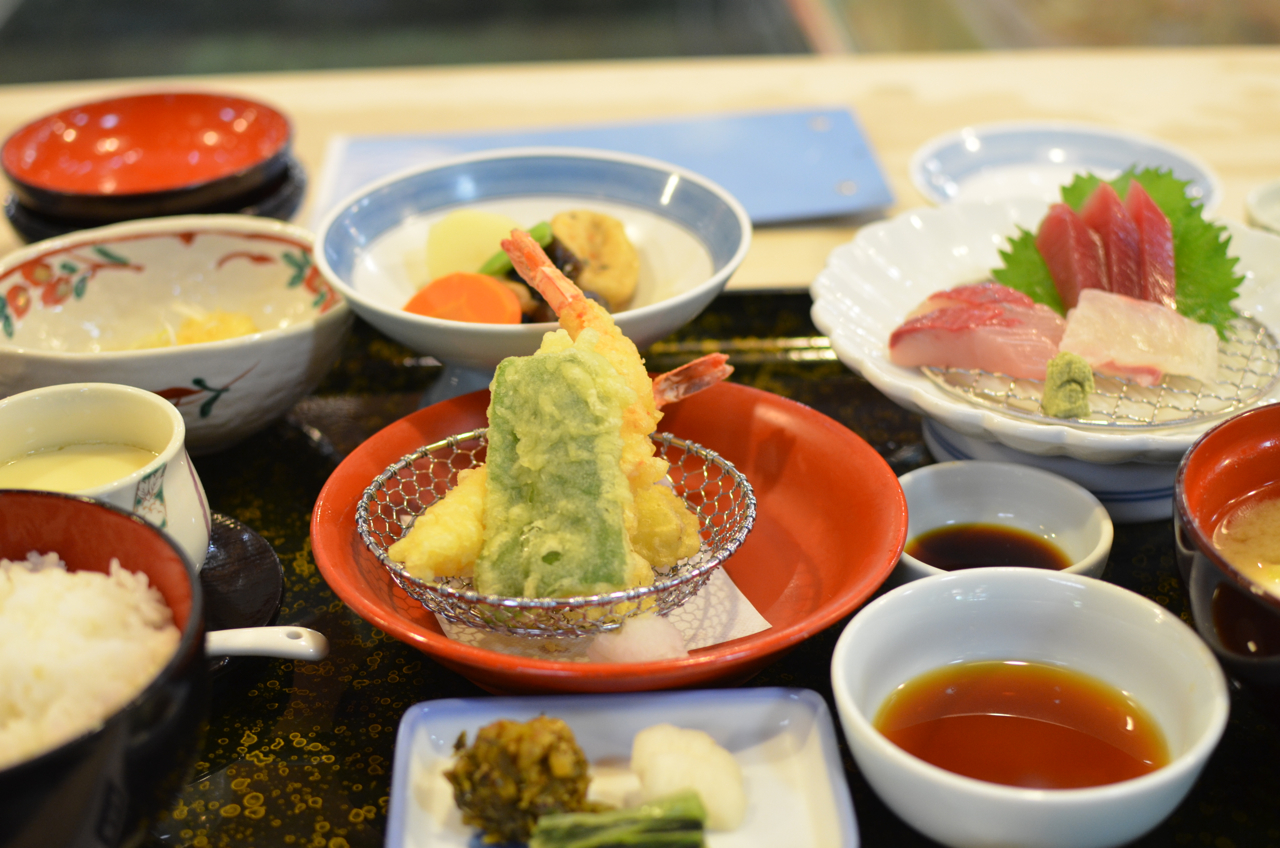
(75, 646)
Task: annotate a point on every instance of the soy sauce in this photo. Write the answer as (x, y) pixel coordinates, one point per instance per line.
(1023, 724)
(957, 546)
(1243, 624)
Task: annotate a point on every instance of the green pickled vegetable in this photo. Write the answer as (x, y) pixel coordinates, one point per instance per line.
(554, 508)
(516, 772)
(675, 821)
(499, 264)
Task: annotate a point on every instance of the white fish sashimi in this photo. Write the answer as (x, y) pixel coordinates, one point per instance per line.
(985, 327)
(1139, 340)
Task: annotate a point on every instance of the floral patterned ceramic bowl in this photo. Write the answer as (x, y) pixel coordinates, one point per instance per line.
(81, 307)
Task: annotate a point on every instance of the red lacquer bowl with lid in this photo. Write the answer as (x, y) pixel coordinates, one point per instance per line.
(144, 155)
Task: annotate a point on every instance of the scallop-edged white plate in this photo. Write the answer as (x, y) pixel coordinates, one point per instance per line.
(1033, 159)
(783, 739)
(870, 284)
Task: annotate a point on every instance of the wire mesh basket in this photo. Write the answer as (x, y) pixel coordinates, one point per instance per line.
(1248, 369)
(713, 489)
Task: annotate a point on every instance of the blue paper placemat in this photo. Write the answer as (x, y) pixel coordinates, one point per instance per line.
(782, 166)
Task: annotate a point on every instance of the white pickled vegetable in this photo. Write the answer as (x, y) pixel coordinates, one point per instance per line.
(668, 759)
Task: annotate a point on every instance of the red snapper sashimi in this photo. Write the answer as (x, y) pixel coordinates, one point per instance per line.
(1105, 214)
(973, 294)
(981, 327)
(1155, 247)
(1138, 339)
(1072, 252)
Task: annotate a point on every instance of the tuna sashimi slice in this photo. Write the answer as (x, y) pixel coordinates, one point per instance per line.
(1155, 247)
(998, 333)
(1105, 215)
(1072, 252)
(1138, 339)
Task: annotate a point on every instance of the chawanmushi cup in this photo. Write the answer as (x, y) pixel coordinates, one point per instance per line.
(166, 491)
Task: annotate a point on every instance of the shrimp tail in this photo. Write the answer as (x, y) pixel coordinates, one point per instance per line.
(533, 265)
(691, 378)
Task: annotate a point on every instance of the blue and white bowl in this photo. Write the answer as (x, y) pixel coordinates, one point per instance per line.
(986, 162)
(690, 233)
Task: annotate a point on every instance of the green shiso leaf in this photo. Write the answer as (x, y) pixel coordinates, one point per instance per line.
(1024, 270)
(1206, 276)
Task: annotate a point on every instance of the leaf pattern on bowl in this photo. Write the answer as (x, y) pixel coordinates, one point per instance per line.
(203, 393)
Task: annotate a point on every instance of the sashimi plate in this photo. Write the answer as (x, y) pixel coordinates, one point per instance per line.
(783, 739)
(870, 284)
(1034, 158)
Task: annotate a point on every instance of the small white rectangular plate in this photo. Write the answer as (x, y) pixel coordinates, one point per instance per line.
(783, 738)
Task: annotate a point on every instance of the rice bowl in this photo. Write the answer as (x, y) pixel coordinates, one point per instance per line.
(104, 786)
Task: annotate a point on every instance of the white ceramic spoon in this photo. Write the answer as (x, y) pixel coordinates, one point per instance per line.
(293, 643)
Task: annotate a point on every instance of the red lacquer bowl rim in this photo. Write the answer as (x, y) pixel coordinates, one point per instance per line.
(272, 125)
(334, 537)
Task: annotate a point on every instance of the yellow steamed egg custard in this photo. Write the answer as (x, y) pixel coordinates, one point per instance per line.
(73, 468)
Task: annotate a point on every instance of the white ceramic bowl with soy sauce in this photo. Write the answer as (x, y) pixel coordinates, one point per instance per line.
(973, 514)
(1157, 671)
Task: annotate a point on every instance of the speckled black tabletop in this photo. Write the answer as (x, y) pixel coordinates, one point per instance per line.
(300, 754)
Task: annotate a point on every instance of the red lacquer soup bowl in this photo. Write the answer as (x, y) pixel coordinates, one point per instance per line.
(1236, 462)
(830, 525)
(144, 155)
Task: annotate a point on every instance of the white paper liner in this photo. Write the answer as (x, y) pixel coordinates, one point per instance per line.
(718, 613)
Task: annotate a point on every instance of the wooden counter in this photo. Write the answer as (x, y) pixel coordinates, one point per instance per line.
(1223, 104)
(300, 753)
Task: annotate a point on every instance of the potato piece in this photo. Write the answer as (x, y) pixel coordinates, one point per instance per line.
(610, 264)
(445, 540)
(666, 531)
(668, 759)
(463, 241)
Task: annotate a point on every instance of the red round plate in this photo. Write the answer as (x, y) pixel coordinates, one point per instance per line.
(830, 526)
(144, 145)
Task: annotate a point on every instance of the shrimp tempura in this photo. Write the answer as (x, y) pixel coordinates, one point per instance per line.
(659, 525)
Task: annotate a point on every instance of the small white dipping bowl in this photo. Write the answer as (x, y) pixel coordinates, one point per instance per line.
(73, 308)
(1006, 494)
(1087, 625)
(166, 491)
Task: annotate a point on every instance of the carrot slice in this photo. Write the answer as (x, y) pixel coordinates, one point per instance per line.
(464, 296)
